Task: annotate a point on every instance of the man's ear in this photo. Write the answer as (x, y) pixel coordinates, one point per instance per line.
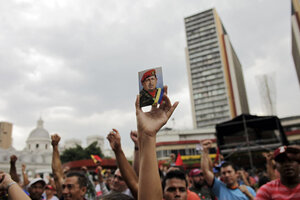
(83, 190)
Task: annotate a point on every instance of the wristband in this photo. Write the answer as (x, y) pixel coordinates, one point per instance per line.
(10, 184)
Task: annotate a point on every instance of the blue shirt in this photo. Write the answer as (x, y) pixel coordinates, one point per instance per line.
(224, 193)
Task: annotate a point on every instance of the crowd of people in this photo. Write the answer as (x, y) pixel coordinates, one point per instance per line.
(145, 180)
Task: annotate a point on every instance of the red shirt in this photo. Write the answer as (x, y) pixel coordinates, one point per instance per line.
(277, 191)
(192, 195)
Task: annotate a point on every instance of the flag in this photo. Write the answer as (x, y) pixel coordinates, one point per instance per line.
(217, 158)
(178, 160)
(96, 159)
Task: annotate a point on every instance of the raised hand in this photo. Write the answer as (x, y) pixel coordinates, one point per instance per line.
(55, 139)
(5, 180)
(150, 122)
(13, 158)
(206, 145)
(268, 156)
(114, 140)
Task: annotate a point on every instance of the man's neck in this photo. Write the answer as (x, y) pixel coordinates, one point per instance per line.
(290, 182)
(233, 186)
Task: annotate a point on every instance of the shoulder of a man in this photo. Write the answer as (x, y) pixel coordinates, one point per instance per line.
(192, 195)
(265, 191)
(217, 186)
(251, 190)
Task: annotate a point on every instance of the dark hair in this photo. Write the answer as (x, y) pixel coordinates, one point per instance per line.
(116, 196)
(263, 180)
(81, 178)
(174, 174)
(226, 164)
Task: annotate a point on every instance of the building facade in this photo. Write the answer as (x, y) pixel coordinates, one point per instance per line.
(185, 142)
(5, 135)
(215, 75)
(296, 35)
(37, 154)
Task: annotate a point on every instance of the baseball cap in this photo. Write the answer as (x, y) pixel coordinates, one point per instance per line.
(195, 172)
(280, 153)
(34, 181)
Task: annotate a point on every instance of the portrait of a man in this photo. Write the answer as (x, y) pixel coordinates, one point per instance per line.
(151, 91)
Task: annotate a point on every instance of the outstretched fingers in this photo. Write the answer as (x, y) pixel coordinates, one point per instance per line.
(115, 131)
(171, 110)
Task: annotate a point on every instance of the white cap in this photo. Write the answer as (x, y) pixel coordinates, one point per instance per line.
(33, 181)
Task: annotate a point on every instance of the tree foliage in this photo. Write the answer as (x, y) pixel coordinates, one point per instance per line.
(79, 153)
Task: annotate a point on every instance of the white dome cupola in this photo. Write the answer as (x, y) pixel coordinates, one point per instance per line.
(39, 139)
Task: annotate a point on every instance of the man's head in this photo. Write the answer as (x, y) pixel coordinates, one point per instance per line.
(36, 188)
(118, 183)
(49, 190)
(116, 196)
(197, 178)
(229, 174)
(149, 80)
(288, 169)
(74, 186)
(175, 185)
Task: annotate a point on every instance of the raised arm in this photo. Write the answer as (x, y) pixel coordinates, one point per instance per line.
(13, 169)
(103, 187)
(148, 124)
(25, 176)
(56, 165)
(136, 155)
(242, 175)
(270, 163)
(205, 162)
(126, 169)
(14, 191)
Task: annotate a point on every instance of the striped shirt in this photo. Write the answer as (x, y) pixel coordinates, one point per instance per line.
(275, 190)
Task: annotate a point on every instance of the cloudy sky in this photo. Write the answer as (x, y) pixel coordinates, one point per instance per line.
(75, 62)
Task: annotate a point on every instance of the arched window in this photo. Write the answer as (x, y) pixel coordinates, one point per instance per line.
(37, 146)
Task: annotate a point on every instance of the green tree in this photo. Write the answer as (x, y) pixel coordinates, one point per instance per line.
(79, 153)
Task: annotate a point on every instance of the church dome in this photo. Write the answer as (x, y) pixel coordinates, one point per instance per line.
(39, 132)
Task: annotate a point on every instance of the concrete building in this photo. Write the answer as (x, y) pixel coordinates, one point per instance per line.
(184, 142)
(5, 135)
(215, 75)
(96, 138)
(296, 35)
(72, 143)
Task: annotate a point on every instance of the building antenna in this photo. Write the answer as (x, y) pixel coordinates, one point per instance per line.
(267, 91)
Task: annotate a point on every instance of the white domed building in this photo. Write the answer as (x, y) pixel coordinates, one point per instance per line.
(37, 155)
(39, 139)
